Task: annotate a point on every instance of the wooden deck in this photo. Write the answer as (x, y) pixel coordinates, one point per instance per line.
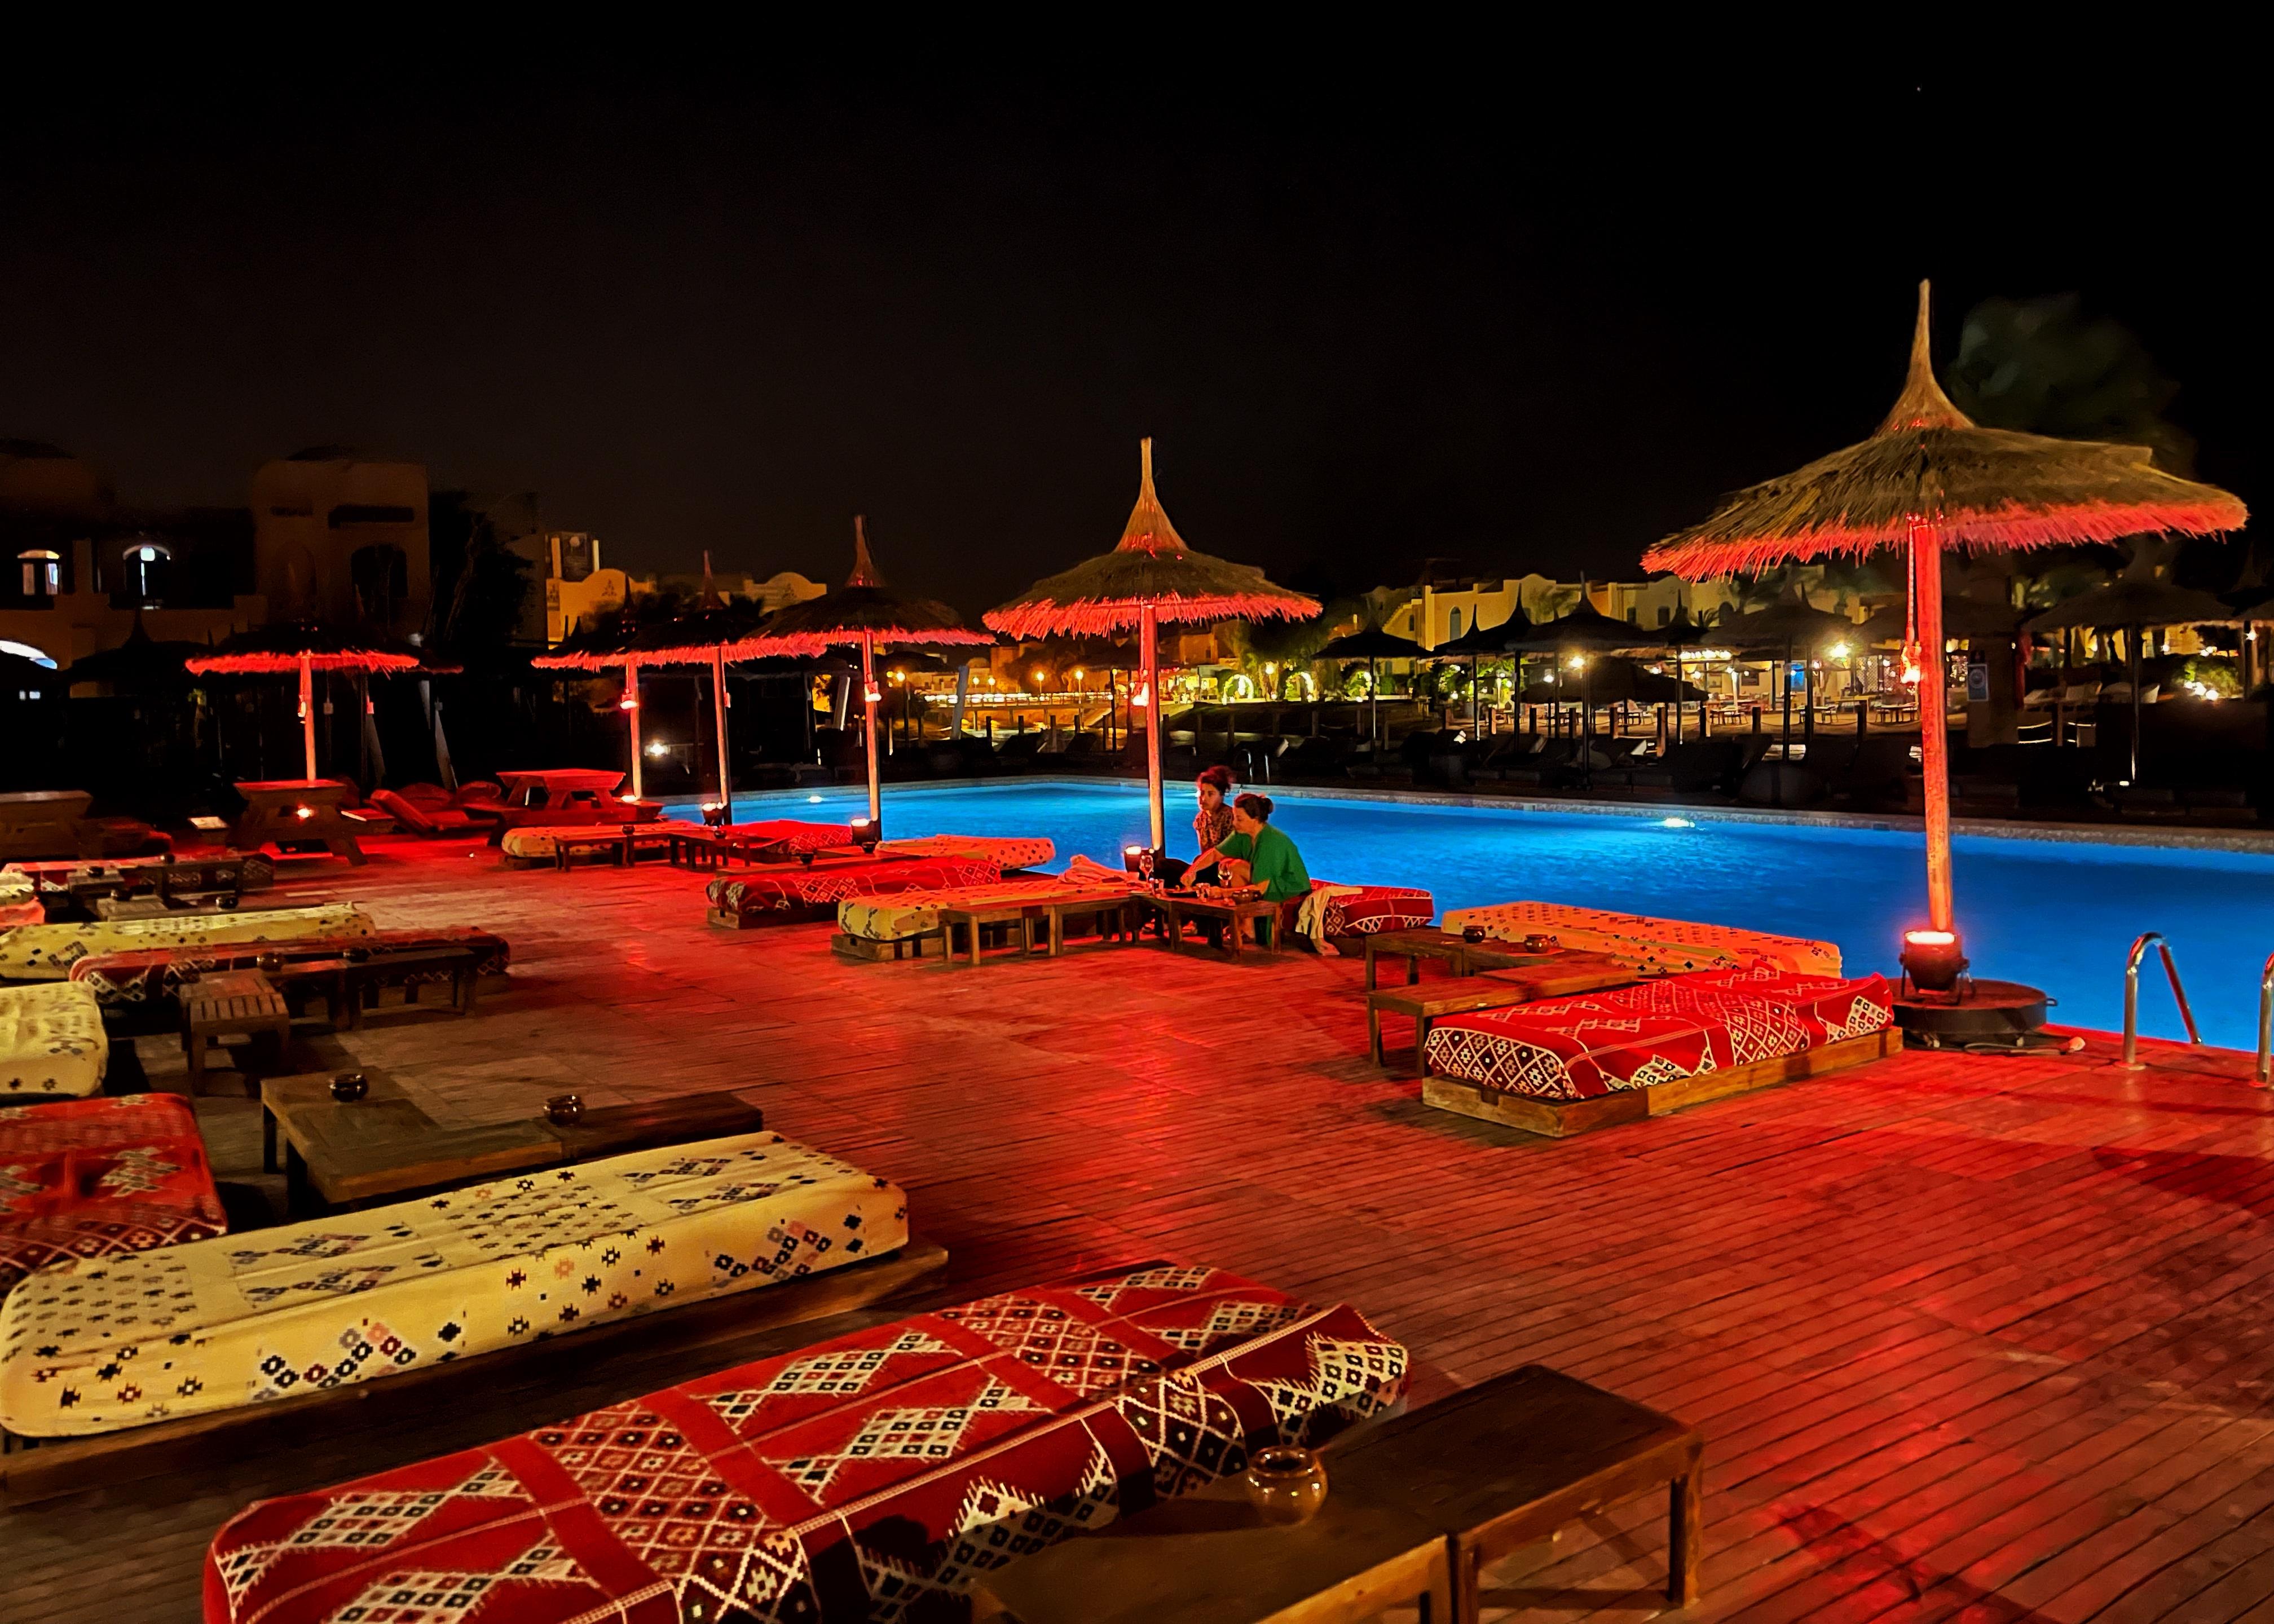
(1970, 1339)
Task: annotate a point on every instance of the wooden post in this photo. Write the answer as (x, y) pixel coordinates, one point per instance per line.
(1148, 632)
(1934, 735)
(726, 767)
(631, 714)
(869, 727)
(308, 713)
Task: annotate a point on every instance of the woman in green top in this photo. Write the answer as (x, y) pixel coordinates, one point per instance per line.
(1259, 860)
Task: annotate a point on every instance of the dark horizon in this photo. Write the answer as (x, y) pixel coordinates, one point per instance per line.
(1521, 333)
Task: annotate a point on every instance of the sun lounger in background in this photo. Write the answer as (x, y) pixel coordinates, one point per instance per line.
(92, 1178)
(247, 1319)
(47, 952)
(876, 1475)
(429, 810)
(1655, 946)
(776, 895)
(52, 1045)
(1565, 1065)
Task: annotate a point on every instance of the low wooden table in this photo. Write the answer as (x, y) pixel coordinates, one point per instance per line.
(1557, 977)
(344, 983)
(226, 1004)
(292, 811)
(615, 843)
(1024, 914)
(338, 1152)
(1109, 911)
(1233, 915)
(1459, 956)
(1415, 1506)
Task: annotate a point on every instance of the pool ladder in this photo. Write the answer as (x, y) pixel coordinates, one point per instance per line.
(2262, 1074)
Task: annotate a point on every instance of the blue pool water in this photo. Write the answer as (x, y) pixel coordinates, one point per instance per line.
(2055, 915)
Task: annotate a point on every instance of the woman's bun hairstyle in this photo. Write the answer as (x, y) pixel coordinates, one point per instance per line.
(1257, 807)
(1220, 776)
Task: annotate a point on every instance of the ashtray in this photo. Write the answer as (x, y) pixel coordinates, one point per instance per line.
(1472, 934)
(270, 963)
(1541, 944)
(562, 1109)
(350, 1086)
(1285, 1484)
(357, 955)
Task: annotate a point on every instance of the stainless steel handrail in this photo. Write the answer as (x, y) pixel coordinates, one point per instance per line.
(2132, 994)
(2265, 1072)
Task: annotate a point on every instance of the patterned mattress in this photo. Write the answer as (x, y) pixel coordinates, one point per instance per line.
(120, 980)
(540, 842)
(1633, 1037)
(916, 912)
(1364, 909)
(47, 952)
(797, 838)
(874, 1476)
(19, 899)
(1661, 946)
(87, 1178)
(52, 1044)
(791, 890)
(91, 1347)
(1004, 851)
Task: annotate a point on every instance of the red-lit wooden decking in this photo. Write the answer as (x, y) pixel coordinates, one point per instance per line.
(1969, 1338)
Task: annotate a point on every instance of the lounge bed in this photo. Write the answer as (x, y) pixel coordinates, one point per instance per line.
(1655, 946)
(52, 1044)
(19, 899)
(350, 1298)
(431, 812)
(533, 845)
(1006, 852)
(92, 1178)
(786, 837)
(1564, 1065)
(879, 1475)
(148, 978)
(775, 894)
(47, 952)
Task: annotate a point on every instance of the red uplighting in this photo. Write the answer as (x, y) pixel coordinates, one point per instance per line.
(628, 704)
(1931, 938)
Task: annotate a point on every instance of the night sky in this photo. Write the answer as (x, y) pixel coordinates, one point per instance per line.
(1368, 318)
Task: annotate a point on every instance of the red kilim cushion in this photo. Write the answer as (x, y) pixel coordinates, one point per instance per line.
(83, 1178)
(792, 890)
(795, 838)
(877, 1476)
(1634, 1037)
(1380, 907)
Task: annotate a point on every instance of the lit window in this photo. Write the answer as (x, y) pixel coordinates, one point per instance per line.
(43, 572)
(146, 566)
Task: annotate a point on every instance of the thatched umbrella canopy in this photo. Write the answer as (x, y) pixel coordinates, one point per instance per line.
(140, 662)
(864, 612)
(1614, 679)
(1931, 477)
(306, 647)
(2132, 603)
(1150, 577)
(1964, 620)
(1788, 628)
(711, 636)
(1478, 643)
(595, 650)
(1372, 645)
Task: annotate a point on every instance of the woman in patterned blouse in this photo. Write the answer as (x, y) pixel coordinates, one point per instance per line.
(1212, 826)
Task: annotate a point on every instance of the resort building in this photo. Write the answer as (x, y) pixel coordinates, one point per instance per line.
(343, 537)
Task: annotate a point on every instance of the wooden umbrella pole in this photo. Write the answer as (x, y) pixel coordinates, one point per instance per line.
(1934, 733)
(631, 712)
(308, 714)
(1147, 631)
(726, 769)
(868, 714)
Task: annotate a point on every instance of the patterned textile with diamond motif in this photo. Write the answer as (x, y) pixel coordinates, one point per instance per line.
(1635, 1037)
(1362, 910)
(916, 912)
(876, 1477)
(86, 1179)
(789, 889)
(1658, 946)
(92, 1346)
(1006, 852)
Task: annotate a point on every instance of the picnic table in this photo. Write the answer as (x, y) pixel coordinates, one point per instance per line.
(338, 1152)
(298, 811)
(1416, 1508)
(1559, 976)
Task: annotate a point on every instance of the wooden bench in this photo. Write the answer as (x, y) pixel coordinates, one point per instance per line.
(385, 1146)
(349, 986)
(1024, 915)
(1416, 1509)
(605, 840)
(1564, 974)
(230, 1003)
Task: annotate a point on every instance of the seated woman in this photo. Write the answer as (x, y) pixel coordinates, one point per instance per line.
(1211, 828)
(1259, 861)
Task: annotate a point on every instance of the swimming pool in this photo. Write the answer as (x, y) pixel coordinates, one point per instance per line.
(2058, 915)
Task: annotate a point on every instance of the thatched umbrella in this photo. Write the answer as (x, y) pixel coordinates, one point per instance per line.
(1090, 654)
(1150, 577)
(2132, 603)
(1372, 645)
(594, 649)
(1478, 643)
(141, 662)
(1584, 631)
(705, 637)
(1791, 624)
(1930, 477)
(1964, 620)
(306, 649)
(863, 613)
